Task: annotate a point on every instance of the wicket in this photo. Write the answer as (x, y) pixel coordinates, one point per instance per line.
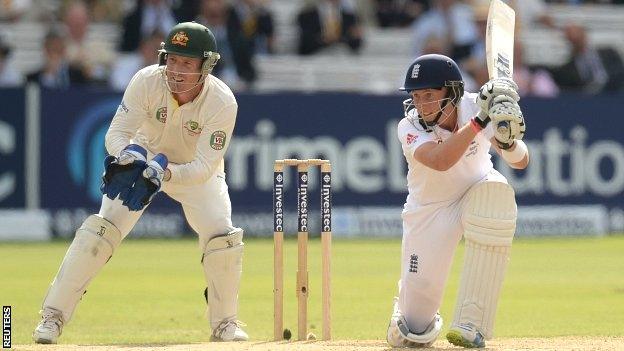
(302, 244)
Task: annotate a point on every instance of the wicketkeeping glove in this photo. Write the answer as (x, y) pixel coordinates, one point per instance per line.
(508, 121)
(121, 172)
(148, 184)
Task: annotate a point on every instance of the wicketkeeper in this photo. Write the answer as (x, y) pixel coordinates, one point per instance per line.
(169, 134)
(454, 190)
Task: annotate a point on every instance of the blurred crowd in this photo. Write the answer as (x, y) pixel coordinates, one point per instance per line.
(247, 28)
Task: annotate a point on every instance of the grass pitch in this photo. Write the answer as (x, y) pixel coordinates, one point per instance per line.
(151, 290)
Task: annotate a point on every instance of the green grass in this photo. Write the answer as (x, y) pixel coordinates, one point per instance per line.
(151, 291)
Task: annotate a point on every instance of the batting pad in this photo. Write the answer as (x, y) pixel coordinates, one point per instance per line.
(92, 247)
(223, 266)
(489, 220)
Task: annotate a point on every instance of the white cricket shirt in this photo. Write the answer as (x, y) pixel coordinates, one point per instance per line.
(428, 186)
(194, 136)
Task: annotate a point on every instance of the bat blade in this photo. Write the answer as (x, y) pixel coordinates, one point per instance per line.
(499, 44)
(499, 40)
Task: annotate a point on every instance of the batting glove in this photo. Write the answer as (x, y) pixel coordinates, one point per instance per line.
(508, 121)
(492, 89)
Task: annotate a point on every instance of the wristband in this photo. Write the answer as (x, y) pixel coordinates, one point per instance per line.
(506, 146)
(517, 154)
(136, 149)
(162, 160)
(475, 126)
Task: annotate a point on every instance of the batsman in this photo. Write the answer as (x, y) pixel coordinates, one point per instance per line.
(454, 190)
(169, 134)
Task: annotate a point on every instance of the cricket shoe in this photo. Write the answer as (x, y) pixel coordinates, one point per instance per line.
(399, 334)
(465, 335)
(229, 330)
(50, 327)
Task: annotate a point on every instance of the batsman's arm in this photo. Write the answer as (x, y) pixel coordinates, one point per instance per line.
(517, 156)
(444, 155)
(131, 113)
(210, 152)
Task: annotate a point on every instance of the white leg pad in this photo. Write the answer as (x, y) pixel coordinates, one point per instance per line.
(92, 247)
(489, 221)
(223, 266)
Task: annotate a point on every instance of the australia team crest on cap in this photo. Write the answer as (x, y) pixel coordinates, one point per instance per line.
(180, 38)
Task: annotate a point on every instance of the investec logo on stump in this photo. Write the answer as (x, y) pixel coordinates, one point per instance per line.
(302, 201)
(326, 202)
(6, 327)
(278, 226)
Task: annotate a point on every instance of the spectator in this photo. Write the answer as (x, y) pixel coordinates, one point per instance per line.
(127, 65)
(399, 13)
(213, 14)
(91, 57)
(451, 20)
(236, 66)
(589, 69)
(475, 65)
(327, 23)
(530, 13)
(149, 16)
(106, 10)
(29, 10)
(14, 10)
(9, 76)
(255, 23)
(56, 73)
(532, 81)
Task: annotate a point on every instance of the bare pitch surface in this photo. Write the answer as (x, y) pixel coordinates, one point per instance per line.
(150, 294)
(554, 344)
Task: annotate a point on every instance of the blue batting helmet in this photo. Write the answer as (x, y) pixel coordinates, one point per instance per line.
(432, 72)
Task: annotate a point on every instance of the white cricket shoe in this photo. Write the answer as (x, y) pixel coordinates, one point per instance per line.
(229, 330)
(399, 334)
(50, 327)
(465, 335)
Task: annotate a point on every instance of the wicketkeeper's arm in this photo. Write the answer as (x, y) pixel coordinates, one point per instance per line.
(131, 113)
(213, 142)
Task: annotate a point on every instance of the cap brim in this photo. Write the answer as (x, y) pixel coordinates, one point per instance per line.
(174, 52)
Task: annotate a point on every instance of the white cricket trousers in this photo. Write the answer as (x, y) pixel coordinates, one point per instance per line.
(430, 236)
(206, 206)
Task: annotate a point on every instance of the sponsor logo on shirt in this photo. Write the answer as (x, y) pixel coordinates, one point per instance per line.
(411, 138)
(180, 38)
(161, 115)
(217, 140)
(192, 128)
(472, 148)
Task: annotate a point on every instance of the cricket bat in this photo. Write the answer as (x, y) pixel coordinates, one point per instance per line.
(499, 43)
